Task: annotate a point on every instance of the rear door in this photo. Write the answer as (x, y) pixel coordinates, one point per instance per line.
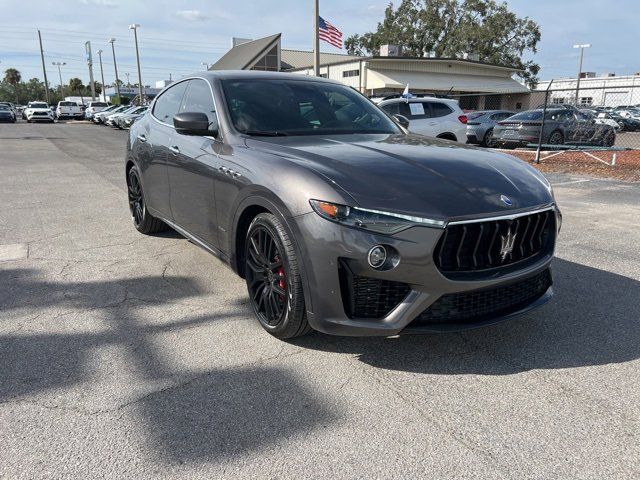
(192, 167)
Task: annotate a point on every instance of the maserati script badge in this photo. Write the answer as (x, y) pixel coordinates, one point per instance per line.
(506, 244)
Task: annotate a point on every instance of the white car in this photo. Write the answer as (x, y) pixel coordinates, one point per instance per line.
(68, 110)
(38, 112)
(93, 108)
(101, 117)
(110, 119)
(431, 116)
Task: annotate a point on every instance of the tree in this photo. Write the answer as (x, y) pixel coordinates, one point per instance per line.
(13, 77)
(450, 28)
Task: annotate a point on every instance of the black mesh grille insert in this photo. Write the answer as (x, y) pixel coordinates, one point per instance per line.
(478, 305)
(473, 247)
(365, 297)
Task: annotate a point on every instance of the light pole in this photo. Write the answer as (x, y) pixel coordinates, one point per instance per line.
(581, 47)
(128, 84)
(134, 27)
(104, 96)
(59, 64)
(112, 41)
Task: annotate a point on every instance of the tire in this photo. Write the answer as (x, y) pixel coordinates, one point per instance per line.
(142, 219)
(609, 139)
(488, 140)
(274, 283)
(556, 138)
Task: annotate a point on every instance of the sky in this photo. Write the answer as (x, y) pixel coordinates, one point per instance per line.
(176, 36)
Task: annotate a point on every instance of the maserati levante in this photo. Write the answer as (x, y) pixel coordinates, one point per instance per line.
(336, 215)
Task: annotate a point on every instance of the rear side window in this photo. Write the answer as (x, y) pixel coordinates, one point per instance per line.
(440, 110)
(528, 115)
(199, 99)
(168, 104)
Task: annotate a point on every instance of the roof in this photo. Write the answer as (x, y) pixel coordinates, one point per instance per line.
(244, 55)
(295, 59)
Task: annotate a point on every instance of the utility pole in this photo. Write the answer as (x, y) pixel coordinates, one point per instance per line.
(316, 38)
(44, 70)
(59, 64)
(87, 47)
(104, 96)
(135, 27)
(112, 41)
(581, 47)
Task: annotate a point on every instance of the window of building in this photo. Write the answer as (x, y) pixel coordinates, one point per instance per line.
(558, 100)
(350, 73)
(586, 101)
(324, 75)
(269, 62)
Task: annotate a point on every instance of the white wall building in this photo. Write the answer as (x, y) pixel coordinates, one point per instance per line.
(608, 90)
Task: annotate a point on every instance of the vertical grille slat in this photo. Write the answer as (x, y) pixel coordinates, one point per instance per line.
(476, 246)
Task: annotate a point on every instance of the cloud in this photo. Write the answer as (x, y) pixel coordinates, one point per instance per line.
(99, 3)
(191, 15)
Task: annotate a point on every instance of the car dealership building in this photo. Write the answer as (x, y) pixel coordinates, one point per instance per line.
(477, 85)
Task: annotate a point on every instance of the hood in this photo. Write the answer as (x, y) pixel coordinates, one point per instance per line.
(416, 175)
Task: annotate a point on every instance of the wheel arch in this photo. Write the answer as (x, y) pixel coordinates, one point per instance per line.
(448, 136)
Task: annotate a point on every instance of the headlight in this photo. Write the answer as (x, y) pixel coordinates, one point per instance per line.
(372, 220)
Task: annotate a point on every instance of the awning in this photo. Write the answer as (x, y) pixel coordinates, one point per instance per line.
(431, 81)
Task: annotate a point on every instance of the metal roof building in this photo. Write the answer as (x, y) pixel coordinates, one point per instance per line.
(476, 84)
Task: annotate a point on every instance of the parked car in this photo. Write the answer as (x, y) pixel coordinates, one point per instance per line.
(480, 126)
(606, 119)
(101, 117)
(338, 218)
(561, 126)
(68, 110)
(38, 112)
(93, 108)
(110, 118)
(125, 120)
(7, 114)
(11, 107)
(434, 117)
(627, 124)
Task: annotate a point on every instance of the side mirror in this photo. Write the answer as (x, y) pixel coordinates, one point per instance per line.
(402, 120)
(195, 123)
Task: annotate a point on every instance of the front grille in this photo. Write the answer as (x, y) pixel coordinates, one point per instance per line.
(479, 305)
(366, 297)
(473, 247)
(41, 114)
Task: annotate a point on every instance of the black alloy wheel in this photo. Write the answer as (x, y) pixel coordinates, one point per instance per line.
(273, 278)
(142, 219)
(556, 138)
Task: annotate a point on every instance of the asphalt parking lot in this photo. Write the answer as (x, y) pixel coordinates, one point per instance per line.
(126, 356)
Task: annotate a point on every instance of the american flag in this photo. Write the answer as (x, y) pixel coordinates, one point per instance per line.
(329, 33)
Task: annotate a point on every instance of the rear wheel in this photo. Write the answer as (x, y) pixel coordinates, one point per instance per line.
(273, 278)
(488, 140)
(556, 138)
(142, 219)
(609, 139)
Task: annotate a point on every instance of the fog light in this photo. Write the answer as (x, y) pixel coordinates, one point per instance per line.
(377, 256)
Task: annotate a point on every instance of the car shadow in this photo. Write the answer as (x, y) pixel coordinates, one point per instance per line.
(592, 320)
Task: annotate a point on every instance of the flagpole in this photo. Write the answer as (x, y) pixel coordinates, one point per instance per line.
(316, 39)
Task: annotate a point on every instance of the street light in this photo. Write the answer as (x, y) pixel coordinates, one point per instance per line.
(581, 47)
(134, 27)
(104, 96)
(59, 64)
(115, 66)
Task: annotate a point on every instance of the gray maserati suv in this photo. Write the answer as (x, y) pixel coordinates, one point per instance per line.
(339, 218)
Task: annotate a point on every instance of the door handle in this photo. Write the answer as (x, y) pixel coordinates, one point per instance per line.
(174, 149)
(142, 137)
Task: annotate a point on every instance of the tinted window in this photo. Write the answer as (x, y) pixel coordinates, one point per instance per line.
(301, 107)
(98, 104)
(528, 115)
(440, 110)
(391, 108)
(39, 105)
(68, 104)
(168, 103)
(199, 99)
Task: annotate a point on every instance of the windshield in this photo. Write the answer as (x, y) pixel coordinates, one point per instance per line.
(301, 107)
(4, 107)
(38, 105)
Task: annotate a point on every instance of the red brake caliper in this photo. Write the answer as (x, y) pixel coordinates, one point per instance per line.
(282, 284)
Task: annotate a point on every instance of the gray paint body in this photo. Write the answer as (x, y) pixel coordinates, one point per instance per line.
(204, 189)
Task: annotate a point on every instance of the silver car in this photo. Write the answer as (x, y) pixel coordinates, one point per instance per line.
(480, 126)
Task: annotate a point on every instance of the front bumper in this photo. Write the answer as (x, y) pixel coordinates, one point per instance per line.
(329, 251)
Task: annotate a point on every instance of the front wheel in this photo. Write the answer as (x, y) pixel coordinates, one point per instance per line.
(609, 139)
(556, 138)
(273, 278)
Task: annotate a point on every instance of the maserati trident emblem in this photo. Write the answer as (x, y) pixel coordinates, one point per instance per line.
(506, 200)
(506, 244)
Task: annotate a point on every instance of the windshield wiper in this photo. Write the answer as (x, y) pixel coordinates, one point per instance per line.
(266, 133)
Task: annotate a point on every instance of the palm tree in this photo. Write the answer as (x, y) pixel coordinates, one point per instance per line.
(76, 86)
(13, 77)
